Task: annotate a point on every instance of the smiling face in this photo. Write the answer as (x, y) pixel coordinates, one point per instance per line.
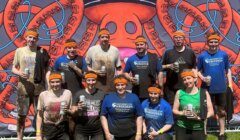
(121, 88)
(31, 40)
(104, 39)
(91, 82)
(189, 81)
(154, 97)
(55, 84)
(213, 45)
(141, 47)
(71, 51)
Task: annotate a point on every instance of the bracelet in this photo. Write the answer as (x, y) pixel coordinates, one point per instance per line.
(160, 131)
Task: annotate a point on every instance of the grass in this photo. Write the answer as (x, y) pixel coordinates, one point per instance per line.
(230, 136)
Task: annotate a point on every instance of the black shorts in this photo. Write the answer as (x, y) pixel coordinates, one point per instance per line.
(219, 99)
(187, 134)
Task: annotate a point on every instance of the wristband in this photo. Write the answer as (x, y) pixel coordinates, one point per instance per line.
(38, 131)
(160, 131)
(138, 133)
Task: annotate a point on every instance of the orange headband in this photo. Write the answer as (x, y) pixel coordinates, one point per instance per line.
(154, 89)
(103, 32)
(120, 80)
(90, 75)
(179, 33)
(140, 39)
(70, 44)
(55, 76)
(187, 73)
(213, 37)
(33, 33)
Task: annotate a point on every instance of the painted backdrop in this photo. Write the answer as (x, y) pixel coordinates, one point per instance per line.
(59, 20)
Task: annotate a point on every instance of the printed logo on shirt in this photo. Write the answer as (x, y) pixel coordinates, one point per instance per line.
(141, 64)
(122, 107)
(214, 61)
(152, 113)
(93, 108)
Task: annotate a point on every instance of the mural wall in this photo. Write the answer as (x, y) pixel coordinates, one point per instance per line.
(58, 20)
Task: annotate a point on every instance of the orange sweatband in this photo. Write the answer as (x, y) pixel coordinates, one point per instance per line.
(55, 76)
(187, 73)
(154, 89)
(70, 44)
(120, 80)
(33, 33)
(90, 75)
(103, 32)
(213, 37)
(179, 33)
(140, 39)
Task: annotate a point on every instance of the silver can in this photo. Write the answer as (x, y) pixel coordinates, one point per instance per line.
(208, 80)
(63, 103)
(27, 71)
(103, 69)
(63, 77)
(190, 107)
(82, 99)
(136, 77)
(176, 64)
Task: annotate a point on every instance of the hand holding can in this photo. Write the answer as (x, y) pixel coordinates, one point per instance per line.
(62, 107)
(136, 78)
(208, 80)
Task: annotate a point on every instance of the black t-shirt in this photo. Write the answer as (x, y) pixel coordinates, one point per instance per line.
(186, 59)
(88, 120)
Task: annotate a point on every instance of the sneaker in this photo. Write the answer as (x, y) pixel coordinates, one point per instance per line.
(222, 137)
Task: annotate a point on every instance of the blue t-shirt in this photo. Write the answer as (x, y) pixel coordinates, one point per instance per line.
(140, 65)
(73, 81)
(121, 113)
(157, 115)
(215, 65)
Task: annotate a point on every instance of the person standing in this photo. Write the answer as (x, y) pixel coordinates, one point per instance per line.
(121, 113)
(53, 108)
(104, 59)
(30, 64)
(173, 62)
(214, 70)
(144, 68)
(86, 106)
(188, 106)
(158, 117)
(72, 66)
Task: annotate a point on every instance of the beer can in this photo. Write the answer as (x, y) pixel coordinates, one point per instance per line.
(82, 98)
(136, 78)
(208, 80)
(190, 107)
(63, 77)
(176, 65)
(103, 69)
(63, 103)
(27, 71)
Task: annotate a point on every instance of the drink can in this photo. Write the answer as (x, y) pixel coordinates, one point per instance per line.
(63, 77)
(27, 71)
(137, 78)
(103, 69)
(208, 80)
(190, 107)
(176, 65)
(82, 99)
(63, 103)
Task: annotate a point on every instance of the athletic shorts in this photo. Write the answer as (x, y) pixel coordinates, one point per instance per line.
(27, 95)
(219, 99)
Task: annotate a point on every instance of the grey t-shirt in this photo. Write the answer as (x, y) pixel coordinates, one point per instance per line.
(88, 120)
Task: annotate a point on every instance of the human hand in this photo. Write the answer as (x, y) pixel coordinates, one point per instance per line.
(81, 105)
(72, 65)
(109, 136)
(152, 134)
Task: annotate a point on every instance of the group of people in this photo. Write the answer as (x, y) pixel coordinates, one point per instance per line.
(88, 97)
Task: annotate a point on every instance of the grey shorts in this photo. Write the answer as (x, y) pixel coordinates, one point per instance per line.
(27, 95)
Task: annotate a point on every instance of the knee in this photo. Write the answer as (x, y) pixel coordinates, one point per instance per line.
(221, 113)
